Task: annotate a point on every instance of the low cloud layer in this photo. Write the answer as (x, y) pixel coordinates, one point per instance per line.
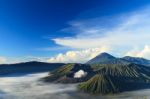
(29, 87)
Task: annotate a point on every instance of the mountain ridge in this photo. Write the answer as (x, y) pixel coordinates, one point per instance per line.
(137, 60)
(106, 58)
(101, 58)
(28, 67)
(108, 74)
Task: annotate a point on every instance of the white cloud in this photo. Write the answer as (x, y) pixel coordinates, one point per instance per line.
(2, 60)
(145, 52)
(131, 30)
(122, 34)
(79, 56)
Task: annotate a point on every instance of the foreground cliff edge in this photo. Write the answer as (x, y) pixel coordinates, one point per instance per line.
(105, 74)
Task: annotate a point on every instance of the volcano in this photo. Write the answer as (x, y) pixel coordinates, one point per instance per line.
(104, 74)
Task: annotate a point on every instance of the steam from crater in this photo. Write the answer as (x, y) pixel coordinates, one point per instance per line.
(80, 73)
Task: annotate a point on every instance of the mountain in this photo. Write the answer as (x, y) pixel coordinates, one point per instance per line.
(105, 74)
(99, 84)
(105, 58)
(28, 67)
(101, 58)
(70, 73)
(117, 78)
(102, 78)
(137, 60)
(126, 70)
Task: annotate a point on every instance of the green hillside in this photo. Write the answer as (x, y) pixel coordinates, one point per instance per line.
(113, 78)
(130, 70)
(104, 74)
(61, 72)
(99, 84)
(65, 74)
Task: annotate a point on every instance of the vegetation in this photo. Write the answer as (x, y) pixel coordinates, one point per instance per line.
(105, 74)
(65, 74)
(58, 73)
(128, 70)
(113, 78)
(99, 84)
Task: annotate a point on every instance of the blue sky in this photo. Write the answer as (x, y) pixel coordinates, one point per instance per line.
(49, 29)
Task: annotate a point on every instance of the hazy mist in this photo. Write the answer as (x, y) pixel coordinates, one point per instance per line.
(29, 87)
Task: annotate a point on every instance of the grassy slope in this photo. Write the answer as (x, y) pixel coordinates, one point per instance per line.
(99, 84)
(58, 73)
(131, 70)
(112, 78)
(106, 78)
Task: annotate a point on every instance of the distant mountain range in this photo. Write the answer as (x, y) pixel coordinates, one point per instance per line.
(137, 60)
(33, 66)
(105, 74)
(105, 58)
(28, 67)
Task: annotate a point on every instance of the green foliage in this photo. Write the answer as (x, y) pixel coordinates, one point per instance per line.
(58, 73)
(113, 78)
(104, 78)
(130, 70)
(63, 70)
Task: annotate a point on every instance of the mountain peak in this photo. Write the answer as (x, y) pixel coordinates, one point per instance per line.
(101, 58)
(105, 54)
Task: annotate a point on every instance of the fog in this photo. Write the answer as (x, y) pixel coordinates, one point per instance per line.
(29, 87)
